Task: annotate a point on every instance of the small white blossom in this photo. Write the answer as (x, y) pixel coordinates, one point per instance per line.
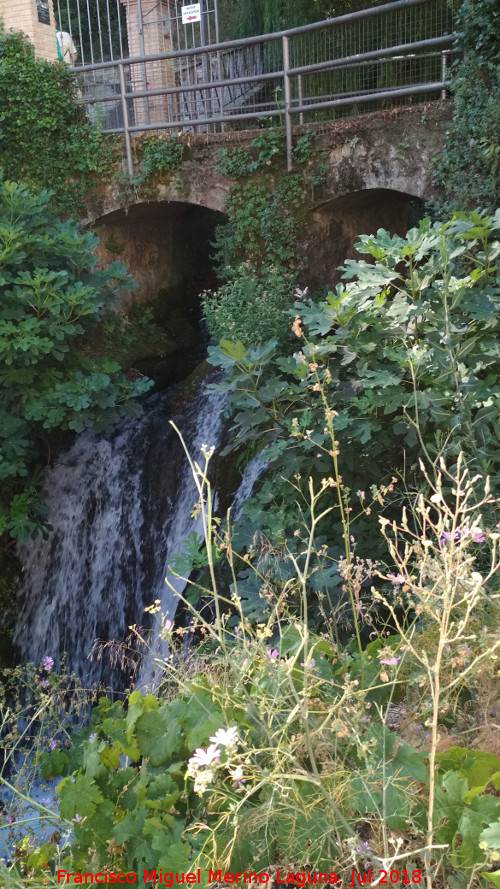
(201, 758)
(237, 775)
(203, 781)
(226, 737)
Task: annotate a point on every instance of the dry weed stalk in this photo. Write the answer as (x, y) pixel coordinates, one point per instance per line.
(440, 583)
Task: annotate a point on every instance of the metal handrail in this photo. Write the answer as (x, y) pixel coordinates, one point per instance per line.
(286, 73)
(262, 38)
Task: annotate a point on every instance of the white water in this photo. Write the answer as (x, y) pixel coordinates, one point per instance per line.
(253, 471)
(119, 507)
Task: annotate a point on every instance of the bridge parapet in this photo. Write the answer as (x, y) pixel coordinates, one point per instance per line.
(383, 150)
(377, 58)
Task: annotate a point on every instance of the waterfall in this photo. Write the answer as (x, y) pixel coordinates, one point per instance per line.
(119, 506)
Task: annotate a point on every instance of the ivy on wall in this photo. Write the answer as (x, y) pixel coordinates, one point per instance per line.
(256, 251)
(45, 139)
(468, 172)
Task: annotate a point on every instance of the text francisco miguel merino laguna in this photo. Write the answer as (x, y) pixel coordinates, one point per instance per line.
(350, 878)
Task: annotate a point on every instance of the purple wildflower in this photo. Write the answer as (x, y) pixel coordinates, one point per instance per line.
(168, 624)
(396, 578)
(45, 801)
(446, 536)
(10, 819)
(44, 683)
(52, 744)
(77, 818)
(311, 664)
(476, 534)
(271, 654)
(366, 719)
(390, 661)
(48, 663)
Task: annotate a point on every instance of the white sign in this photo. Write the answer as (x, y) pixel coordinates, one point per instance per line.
(191, 13)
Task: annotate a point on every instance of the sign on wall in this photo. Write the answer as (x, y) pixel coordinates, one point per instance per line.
(43, 12)
(191, 13)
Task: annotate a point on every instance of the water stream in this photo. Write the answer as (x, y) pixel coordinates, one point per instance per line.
(119, 505)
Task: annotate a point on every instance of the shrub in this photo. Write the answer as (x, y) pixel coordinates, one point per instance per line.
(468, 171)
(51, 293)
(45, 140)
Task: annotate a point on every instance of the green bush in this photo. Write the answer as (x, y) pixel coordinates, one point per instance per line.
(257, 252)
(468, 171)
(408, 349)
(51, 293)
(406, 356)
(45, 140)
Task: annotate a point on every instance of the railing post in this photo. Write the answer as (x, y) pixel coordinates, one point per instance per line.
(444, 71)
(299, 91)
(287, 93)
(126, 132)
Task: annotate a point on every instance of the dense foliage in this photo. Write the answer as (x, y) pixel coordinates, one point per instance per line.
(256, 250)
(347, 628)
(249, 17)
(273, 745)
(407, 354)
(468, 172)
(45, 140)
(51, 293)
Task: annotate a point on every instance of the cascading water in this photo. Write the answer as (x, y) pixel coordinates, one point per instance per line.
(119, 507)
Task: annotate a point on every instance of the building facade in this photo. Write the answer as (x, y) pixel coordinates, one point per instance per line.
(36, 19)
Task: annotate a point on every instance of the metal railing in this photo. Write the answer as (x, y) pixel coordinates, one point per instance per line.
(365, 60)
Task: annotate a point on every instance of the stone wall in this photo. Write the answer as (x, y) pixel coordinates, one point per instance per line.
(380, 164)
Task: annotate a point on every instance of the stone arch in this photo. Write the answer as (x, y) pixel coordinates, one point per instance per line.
(166, 247)
(337, 223)
(164, 244)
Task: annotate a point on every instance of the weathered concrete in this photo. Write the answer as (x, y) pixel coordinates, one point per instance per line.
(379, 164)
(389, 150)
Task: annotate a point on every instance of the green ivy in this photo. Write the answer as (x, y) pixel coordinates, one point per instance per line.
(45, 139)
(468, 171)
(257, 252)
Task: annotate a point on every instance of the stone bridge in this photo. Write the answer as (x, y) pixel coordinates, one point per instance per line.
(380, 166)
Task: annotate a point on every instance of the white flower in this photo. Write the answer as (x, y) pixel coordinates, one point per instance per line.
(237, 775)
(226, 737)
(203, 780)
(202, 758)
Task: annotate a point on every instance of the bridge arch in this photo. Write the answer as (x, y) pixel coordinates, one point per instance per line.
(337, 223)
(166, 246)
